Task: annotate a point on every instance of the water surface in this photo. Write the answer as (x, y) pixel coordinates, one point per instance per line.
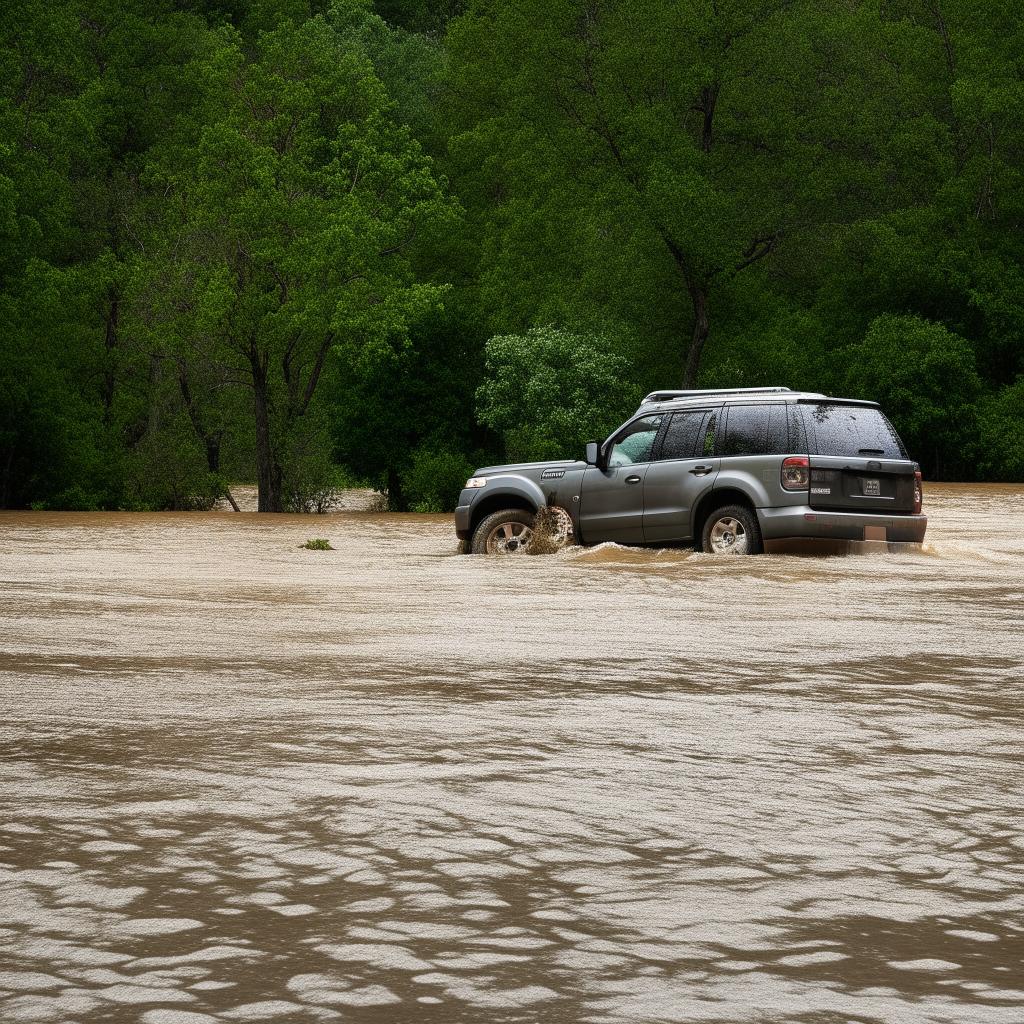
(242, 781)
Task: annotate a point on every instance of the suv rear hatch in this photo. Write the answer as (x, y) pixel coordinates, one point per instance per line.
(857, 461)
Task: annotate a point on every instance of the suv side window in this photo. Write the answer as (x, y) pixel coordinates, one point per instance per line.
(756, 430)
(635, 442)
(681, 436)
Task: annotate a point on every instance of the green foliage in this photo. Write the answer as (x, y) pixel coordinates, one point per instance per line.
(644, 156)
(434, 479)
(318, 544)
(766, 339)
(1001, 434)
(270, 238)
(420, 15)
(548, 392)
(925, 378)
(288, 229)
(416, 396)
(311, 479)
(85, 91)
(166, 470)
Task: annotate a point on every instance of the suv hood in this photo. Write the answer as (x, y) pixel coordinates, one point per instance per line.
(529, 467)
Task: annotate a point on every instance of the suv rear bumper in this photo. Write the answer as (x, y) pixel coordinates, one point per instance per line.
(804, 521)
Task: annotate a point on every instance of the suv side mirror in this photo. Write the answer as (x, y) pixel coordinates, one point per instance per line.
(592, 452)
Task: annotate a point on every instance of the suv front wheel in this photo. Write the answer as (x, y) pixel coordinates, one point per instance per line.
(732, 530)
(507, 532)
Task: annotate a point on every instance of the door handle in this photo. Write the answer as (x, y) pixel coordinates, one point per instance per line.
(632, 479)
(701, 470)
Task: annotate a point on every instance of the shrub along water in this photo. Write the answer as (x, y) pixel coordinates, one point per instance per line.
(318, 544)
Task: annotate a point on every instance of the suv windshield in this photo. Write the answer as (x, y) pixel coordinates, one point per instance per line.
(851, 430)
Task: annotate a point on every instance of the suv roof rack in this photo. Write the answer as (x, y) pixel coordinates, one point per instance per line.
(668, 396)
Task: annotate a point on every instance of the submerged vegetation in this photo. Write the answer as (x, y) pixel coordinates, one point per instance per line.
(318, 544)
(320, 241)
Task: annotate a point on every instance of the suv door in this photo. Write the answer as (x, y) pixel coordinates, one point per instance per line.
(685, 468)
(612, 495)
(753, 442)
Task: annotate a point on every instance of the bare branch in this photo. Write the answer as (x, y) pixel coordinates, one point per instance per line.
(757, 250)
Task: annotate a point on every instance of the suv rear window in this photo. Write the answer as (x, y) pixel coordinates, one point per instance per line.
(850, 430)
(755, 430)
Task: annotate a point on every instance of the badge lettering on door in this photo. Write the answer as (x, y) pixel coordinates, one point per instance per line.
(552, 474)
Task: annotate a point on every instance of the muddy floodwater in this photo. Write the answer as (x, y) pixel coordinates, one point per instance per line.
(243, 781)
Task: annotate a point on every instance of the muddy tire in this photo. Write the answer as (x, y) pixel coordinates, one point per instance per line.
(732, 530)
(552, 530)
(507, 532)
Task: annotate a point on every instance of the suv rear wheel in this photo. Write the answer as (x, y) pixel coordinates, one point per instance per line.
(507, 532)
(732, 530)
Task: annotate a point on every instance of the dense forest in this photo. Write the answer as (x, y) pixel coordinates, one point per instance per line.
(314, 244)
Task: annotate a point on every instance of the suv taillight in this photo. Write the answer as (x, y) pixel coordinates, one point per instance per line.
(918, 492)
(796, 473)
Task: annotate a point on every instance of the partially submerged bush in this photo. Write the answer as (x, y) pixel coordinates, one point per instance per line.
(167, 470)
(318, 544)
(311, 479)
(434, 479)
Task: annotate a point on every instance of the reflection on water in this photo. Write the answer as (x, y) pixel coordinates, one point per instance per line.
(243, 781)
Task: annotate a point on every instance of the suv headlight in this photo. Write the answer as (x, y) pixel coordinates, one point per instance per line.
(476, 481)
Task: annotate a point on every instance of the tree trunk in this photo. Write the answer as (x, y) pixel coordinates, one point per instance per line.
(213, 465)
(109, 344)
(211, 439)
(213, 454)
(396, 497)
(268, 472)
(708, 99)
(5, 477)
(698, 289)
(699, 296)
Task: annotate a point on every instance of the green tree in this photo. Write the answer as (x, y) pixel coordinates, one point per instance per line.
(1001, 434)
(925, 378)
(648, 152)
(292, 220)
(85, 90)
(398, 410)
(548, 392)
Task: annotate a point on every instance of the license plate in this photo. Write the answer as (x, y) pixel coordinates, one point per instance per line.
(872, 488)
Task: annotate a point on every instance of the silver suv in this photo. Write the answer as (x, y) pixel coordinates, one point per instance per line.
(723, 469)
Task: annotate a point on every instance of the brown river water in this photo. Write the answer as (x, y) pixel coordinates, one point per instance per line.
(243, 781)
